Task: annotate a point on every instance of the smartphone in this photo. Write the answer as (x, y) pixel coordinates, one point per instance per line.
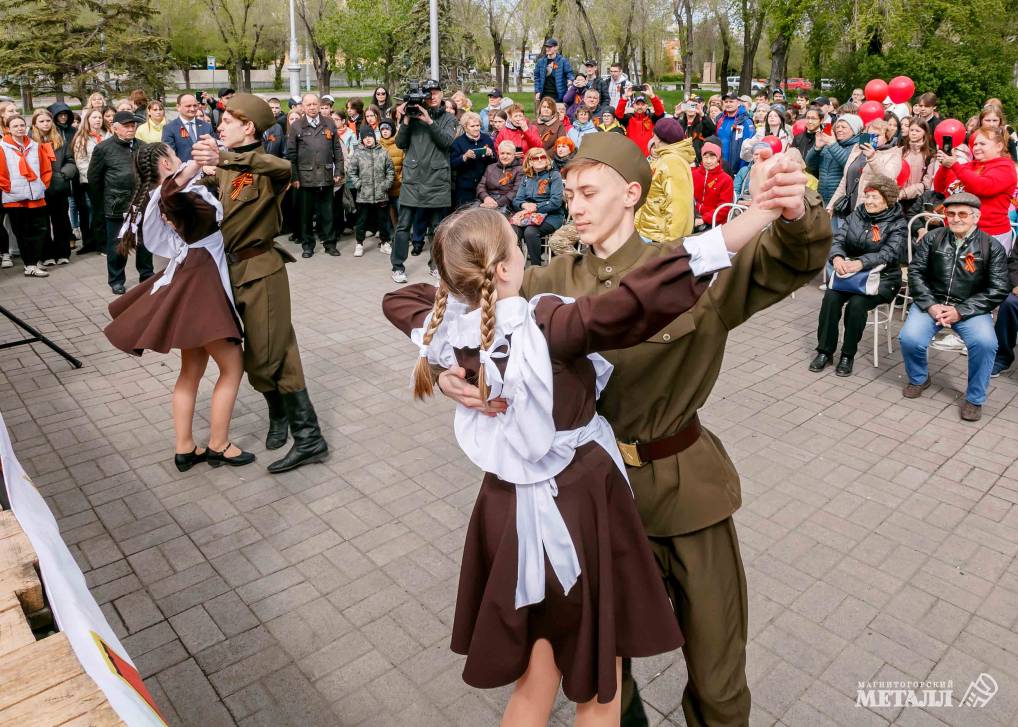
(868, 138)
(948, 144)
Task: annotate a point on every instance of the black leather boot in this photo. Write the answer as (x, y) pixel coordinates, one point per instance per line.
(308, 443)
(278, 427)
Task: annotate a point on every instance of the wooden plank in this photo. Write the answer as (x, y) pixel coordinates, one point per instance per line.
(16, 549)
(23, 581)
(8, 524)
(56, 705)
(14, 629)
(100, 716)
(34, 668)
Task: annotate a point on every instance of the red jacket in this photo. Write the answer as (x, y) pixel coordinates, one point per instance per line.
(522, 139)
(711, 190)
(640, 127)
(993, 182)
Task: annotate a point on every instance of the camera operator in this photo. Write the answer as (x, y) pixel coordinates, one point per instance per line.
(426, 133)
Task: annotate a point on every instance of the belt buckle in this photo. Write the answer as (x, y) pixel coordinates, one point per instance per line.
(630, 454)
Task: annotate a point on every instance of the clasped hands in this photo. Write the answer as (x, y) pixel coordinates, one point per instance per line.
(944, 315)
(846, 267)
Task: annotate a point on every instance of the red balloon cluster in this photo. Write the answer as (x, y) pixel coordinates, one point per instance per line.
(798, 127)
(876, 90)
(950, 128)
(870, 111)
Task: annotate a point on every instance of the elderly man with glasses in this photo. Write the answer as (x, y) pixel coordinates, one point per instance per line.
(957, 276)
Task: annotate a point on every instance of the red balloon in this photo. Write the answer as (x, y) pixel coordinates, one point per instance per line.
(871, 110)
(774, 142)
(876, 90)
(900, 89)
(950, 128)
(798, 127)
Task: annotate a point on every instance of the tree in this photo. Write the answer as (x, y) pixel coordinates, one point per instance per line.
(240, 24)
(379, 36)
(785, 18)
(187, 44)
(753, 14)
(683, 12)
(312, 14)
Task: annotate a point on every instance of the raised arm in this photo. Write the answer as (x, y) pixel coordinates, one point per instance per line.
(407, 307)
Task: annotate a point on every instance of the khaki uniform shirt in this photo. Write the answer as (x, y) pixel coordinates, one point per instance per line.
(658, 385)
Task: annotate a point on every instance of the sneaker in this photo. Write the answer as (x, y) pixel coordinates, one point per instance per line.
(998, 369)
(358, 250)
(822, 286)
(398, 276)
(970, 412)
(6, 262)
(385, 248)
(63, 261)
(48, 262)
(914, 391)
(416, 248)
(948, 340)
(34, 271)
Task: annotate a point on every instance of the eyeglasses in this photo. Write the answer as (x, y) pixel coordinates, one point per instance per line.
(957, 215)
(539, 158)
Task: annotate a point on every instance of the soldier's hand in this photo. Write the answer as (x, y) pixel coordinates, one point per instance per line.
(781, 186)
(454, 385)
(205, 151)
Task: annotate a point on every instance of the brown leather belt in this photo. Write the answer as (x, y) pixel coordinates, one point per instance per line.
(247, 253)
(637, 454)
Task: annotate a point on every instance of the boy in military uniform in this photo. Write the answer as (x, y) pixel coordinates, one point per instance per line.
(251, 185)
(686, 486)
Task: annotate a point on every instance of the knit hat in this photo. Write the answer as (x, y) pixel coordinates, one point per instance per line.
(884, 186)
(254, 109)
(669, 130)
(853, 121)
(366, 131)
(621, 154)
(387, 123)
(710, 148)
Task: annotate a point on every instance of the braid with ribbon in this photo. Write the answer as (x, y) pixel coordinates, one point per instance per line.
(423, 384)
(146, 172)
(488, 298)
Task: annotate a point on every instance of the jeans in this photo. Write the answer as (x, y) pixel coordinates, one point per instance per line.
(315, 201)
(404, 222)
(1007, 331)
(857, 307)
(976, 332)
(376, 213)
(116, 264)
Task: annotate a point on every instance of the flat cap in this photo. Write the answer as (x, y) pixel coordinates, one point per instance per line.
(253, 108)
(621, 154)
(966, 198)
(125, 117)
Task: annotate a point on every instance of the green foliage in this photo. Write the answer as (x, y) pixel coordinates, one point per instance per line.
(378, 38)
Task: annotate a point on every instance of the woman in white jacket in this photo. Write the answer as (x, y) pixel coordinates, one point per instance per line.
(773, 125)
(91, 131)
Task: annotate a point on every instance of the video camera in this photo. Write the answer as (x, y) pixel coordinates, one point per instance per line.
(419, 94)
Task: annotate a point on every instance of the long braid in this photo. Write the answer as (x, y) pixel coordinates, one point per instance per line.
(488, 299)
(423, 383)
(146, 172)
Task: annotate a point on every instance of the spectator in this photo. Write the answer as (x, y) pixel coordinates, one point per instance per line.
(565, 150)
(858, 96)
(56, 247)
(496, 102)
(63, 120)
(926, 110)
(470, 154)
(354, 114)
(712, 187)
(387, 140)
(637, 118)
(91, 131)
(315, 152)
(667, 213)
(344, 208)
(497, 188)
(111, 174)
(372, 118)
(277, 112)
(595, 82)
(548, 126)
(552, 73)
(588, 98)
(519, 131)
(872, 236)
(274, 139)
(831, 152)
(715, 109)
(608, 122)
(25, 173)
(455, 111)
(772, 124)
(152, 130)
(920, 155)
(760, 151)
(496, 122)
(463, 103)
(291, 220)
(326, 104)
(1007, 321)
(371, 174)
(957, 276)
(993, 116)
(583, 124)
(181, 133)
(617, 82)
(991, 178)
(216, 106)
(538, 203)
(805, 141)
(695, 126)
(894, 132)
(426, 136)
(139, 101)
(383, 100)
(732, 127)
(864, 161)
(96, 101)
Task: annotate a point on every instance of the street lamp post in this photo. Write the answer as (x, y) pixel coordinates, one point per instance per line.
(294, 66)
(433, 13)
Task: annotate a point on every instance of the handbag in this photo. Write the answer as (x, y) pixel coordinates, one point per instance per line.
(525, 219)
(843, 207)
(864, 282)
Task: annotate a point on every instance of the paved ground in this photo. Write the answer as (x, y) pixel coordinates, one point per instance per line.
(879, 534)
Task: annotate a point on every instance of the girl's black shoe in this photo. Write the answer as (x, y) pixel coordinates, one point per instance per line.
(218, 459)
(186, 461)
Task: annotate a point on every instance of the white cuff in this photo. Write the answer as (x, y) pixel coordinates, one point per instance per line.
(707, 252)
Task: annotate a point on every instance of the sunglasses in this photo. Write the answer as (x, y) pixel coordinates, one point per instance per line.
(539, 158)
(957, 215)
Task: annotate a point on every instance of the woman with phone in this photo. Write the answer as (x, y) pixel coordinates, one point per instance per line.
(831, 151)
(469, 156)
(920, 156)
(874, 154)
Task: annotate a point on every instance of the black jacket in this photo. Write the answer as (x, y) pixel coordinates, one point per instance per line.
(804, 142)
(274, 141)
(874, 240)
(66, 130)
(973, 278)
(111, 174)
(469, 171)
(699, 131)
(64, 171)
(315, 153)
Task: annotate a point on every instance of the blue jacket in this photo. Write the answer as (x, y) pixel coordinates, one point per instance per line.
(469, 171)
(732, 131)
(740, 185)
(563, 74)
(549, 200)
(181, 144)
(830, 162)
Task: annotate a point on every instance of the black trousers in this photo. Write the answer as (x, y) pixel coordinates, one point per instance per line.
(316, 202)
(31, 226)
(1007, 330)
(531, 236)
(340, 218)
(376, 215)
(856, 307)
(116, 264)
(5, 239)
(58, 242)
(415, 218)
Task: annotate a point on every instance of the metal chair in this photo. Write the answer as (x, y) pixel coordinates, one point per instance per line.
(878, 318)
(735, 208)
(903, 294)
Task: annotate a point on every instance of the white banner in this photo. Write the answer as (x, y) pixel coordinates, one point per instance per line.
(77, 614)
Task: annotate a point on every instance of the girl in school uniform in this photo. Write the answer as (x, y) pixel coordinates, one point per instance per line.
(554, 484)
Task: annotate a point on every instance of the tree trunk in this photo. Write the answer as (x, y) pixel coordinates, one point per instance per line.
(324, 76)
(523, 60)
(726, 55)
(186, 70)
(499, 62)
(247, 75)
(595, 47)
(687, 59)
(552, 17)
(779, 57)
(277, 70)
(753, 23)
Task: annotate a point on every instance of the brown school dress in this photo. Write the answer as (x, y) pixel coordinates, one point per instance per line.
(193, 310)
(618, 607)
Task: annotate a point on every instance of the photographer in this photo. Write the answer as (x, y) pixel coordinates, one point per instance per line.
(426, 133)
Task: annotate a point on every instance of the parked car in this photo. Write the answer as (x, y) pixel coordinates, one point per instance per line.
(799, 84)
(826, 83)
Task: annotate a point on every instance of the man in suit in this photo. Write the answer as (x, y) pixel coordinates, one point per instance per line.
(181, 133)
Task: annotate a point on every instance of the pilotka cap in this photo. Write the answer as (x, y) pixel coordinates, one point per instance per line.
(621, 154)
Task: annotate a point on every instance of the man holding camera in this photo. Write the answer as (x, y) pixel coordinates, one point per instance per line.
(426, 134)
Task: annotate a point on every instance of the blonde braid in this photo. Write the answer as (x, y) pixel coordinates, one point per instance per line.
(488, 298)
(423, 384)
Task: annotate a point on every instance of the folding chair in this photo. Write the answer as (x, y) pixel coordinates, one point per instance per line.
(735, 208)
(903, 294)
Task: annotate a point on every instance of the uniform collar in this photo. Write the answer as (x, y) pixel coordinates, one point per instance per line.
(618, 262)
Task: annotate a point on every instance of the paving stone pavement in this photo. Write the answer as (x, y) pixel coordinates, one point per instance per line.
(879, 534)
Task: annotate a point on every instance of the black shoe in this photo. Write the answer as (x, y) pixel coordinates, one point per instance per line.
(308, 443)
(188, 460)
(417, 248)
(309, 251)
(278, 425)
(118, 289)
(819, 363)
(331, 250)
(218, 459)
(844, 367)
